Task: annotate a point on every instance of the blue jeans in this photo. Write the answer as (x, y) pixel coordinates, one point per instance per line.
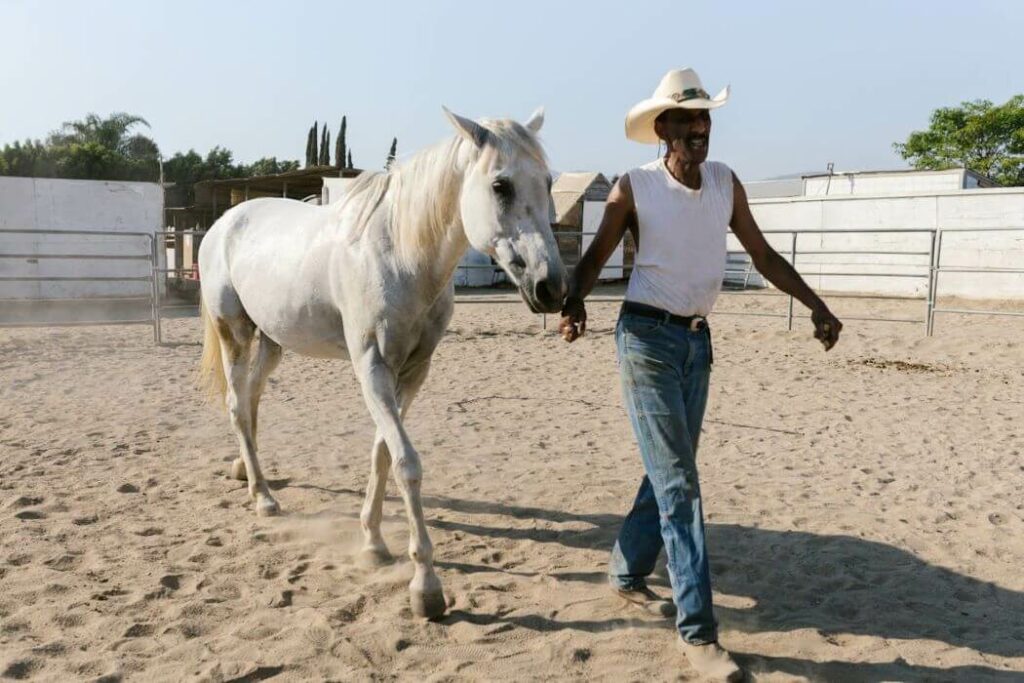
(665, 368)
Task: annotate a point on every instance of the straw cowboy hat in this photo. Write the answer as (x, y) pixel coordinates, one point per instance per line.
(679, 89)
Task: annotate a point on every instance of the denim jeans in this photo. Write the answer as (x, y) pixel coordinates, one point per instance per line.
(665, 368)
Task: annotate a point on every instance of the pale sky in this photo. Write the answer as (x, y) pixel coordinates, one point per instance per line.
(812, 82)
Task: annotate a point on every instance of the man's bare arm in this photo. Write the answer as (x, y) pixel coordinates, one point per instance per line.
(619, 214)
(777, 270)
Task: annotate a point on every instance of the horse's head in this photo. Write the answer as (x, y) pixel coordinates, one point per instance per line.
(506, 206)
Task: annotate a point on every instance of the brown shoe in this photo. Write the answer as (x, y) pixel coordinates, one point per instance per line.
(649, 601)
(713, 662)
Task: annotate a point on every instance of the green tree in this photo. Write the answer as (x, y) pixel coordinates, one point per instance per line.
(310, 144)
(348, 164)
(391, 153)
(339, 146)
(93, 147)
(31, 159)
(187, 169)
(312, 149)
(109, 149)
(271, 166)
(105, 149)
(325, 147)
(979, 135)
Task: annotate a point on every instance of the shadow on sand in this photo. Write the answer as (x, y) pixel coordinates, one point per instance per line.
(797, 580)
(836, 585)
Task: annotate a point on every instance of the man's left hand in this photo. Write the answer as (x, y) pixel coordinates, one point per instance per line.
(826, 327)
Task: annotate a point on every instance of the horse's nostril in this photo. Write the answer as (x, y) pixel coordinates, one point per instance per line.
(544, 291)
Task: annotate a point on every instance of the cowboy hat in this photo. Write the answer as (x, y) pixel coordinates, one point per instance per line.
(679, 89)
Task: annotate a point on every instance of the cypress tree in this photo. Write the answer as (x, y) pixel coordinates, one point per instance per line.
(392, 153)
(339, 155)
(346, 155)
(314, 153)
(323, 157)
(309, 147)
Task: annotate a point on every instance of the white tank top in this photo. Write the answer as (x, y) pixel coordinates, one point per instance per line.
(680, 260)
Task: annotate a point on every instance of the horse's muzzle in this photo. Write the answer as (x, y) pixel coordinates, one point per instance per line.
(545, 295)
(549, 293)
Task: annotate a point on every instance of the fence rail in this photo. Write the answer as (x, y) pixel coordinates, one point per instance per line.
(937, 269)
(114, 239)
(928, 269)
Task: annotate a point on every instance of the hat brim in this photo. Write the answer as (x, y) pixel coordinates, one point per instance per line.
(640, 119)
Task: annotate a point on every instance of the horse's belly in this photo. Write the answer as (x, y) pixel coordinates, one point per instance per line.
(318, 333)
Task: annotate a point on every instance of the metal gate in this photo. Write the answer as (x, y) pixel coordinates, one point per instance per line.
(68, 271)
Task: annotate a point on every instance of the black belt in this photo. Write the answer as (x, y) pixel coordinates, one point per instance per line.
(692, 322)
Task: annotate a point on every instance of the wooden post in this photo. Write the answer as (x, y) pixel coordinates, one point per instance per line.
(792, 262)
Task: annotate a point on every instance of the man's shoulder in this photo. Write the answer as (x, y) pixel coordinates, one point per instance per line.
(647, 170)
(649, 167)
(718, 166)
(720, 171)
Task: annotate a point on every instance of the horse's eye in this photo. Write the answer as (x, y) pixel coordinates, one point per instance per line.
(503, 189)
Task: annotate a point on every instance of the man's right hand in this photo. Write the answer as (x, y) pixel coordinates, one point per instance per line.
(574, 319)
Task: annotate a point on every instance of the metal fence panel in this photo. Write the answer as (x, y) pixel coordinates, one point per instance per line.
(61, 266)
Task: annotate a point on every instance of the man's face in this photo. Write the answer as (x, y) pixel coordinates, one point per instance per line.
(686, 132)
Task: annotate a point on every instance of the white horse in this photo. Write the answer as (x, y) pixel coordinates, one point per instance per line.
(370, 279)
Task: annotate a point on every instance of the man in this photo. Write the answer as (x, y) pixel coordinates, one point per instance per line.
(678, 209)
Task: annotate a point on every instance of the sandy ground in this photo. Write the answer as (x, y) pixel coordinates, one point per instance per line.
(865, 509)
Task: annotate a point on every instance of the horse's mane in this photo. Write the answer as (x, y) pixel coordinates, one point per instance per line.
(419, 194)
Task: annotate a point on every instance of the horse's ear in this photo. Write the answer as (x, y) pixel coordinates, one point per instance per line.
(535, 121)
(471, 130)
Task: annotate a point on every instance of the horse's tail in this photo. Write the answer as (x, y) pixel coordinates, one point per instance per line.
(212, 380)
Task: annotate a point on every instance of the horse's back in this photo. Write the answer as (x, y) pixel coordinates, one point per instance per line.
(269, 260)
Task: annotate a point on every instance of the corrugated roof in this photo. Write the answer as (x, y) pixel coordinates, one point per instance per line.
(576, 182)
(568, 191)
(564, 203)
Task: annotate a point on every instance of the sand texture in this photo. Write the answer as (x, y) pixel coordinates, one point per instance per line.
(865, 509)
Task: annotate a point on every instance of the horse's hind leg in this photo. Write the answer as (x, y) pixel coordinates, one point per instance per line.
(374, 551)
(236, 345)
(268, 355)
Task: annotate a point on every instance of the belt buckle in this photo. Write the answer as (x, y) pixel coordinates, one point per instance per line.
(697, 323)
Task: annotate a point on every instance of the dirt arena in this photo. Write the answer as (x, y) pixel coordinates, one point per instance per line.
(865, 510)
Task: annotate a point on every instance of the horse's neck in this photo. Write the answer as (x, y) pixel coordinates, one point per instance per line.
(430, 233)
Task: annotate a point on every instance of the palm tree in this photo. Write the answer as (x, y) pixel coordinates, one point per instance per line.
(112, 133)
(108, 138)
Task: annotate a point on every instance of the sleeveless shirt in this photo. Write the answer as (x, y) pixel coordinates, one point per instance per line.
(681, 255)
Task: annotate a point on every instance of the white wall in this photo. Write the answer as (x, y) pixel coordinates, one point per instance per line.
(884, 183)
(976, 208)
(334, 189)
(52, 204)
(593, 212)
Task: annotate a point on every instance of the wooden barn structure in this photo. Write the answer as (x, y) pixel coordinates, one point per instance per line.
(571, 193)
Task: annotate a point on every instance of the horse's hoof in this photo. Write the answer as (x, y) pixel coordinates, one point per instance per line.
(238, 470)
(428, 605)
(267, 507)
(373, 557)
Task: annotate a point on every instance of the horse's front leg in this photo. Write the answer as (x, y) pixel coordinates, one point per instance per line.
(380, 391)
